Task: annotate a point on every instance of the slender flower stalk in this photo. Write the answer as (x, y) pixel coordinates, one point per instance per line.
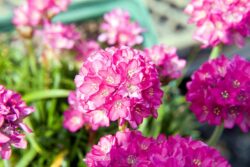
(215, 52)
(216, 135)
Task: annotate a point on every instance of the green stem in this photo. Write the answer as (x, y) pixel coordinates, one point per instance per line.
(215, 52)
(216, 135)
(45, 94)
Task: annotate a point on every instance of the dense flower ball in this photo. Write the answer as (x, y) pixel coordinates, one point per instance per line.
(118, 29)
(34, 12)
(166, 60)
(115, 84)
(12, 112)
(58, 36)
(130, 148)
(220, 92)
(226, 21)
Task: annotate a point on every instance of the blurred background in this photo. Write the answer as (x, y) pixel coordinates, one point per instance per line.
(167, 24)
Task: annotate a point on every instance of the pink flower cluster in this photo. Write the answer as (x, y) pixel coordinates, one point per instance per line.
(114, 84)
(59, 36)
(34, 12)
(166, 60)
(118, 29)
(220, 92)
(130, 148)
(12, 112)
(220, 21)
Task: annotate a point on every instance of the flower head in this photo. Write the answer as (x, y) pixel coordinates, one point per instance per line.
(220, 92)
(35, 12)
(12, 112)
(218, 22)
(118, 29)
(59, 36)
(116, 84)
(166, 60)
(130, 148)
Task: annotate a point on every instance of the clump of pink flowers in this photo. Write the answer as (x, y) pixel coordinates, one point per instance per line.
(115, 84)
(166, 60)
(218, 22)
(59, 36)
(12, 112)
(35, 12)
(220, 92)
(130, 148)
(118, 29)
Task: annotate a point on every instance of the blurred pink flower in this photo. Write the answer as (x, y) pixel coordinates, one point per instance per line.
(166, 60)
(35, 12)
(220, 21)
(12, 112)
(220, 92)
(59, 36)
(130, 148)
(118, 29)
(86, 48)
(116, 84)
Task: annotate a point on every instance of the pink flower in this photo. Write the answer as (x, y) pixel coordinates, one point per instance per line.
(35, 12)
(218, 22)
(116, 84)
(118, 29)
(86, 48)
(220, 92)
(59, 36)
(166, 60)
(130, 148)
(12, 112)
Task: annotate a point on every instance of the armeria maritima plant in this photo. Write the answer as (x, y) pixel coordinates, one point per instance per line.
(131, 148)
(220, 21)
(220, 92)
(115, 84)
(12, 112)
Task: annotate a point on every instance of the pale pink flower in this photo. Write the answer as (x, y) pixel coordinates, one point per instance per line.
(116, 84)
(220, 21)
(166, 60)
(118, 29)
(35, 12)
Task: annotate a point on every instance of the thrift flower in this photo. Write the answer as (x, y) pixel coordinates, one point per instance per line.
(35, 12)
(12, 112)
(118, 29)
(116, 84)
(130, 148)
(220, 92)
(59, 36)
(166, 60)
(219, 21)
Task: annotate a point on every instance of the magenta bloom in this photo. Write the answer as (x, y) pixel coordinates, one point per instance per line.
(116, 84)
(130, 148)
(86, 48)
(166, 60)
(59, 36)
(218, 22)
(35, 12)
(12, 112)
(220, 92)
(118, 29)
